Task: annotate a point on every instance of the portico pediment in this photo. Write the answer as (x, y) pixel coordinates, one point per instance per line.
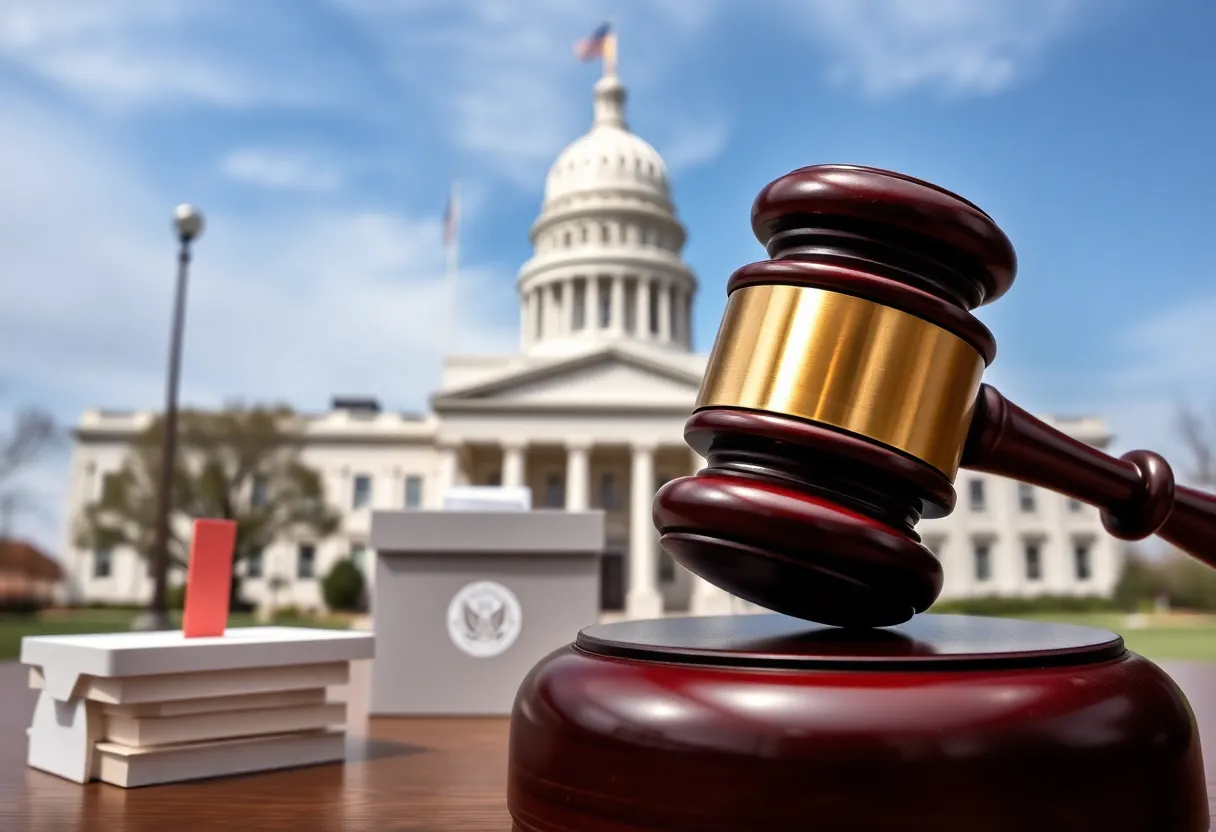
(606, 379)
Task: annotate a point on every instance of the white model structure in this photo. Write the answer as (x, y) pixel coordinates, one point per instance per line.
(588, 414)
(141, 708)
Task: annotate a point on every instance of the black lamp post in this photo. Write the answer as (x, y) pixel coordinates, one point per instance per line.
(188, 223)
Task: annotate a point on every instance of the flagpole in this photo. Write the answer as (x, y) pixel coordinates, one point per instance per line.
(610, 55)
(452, 270)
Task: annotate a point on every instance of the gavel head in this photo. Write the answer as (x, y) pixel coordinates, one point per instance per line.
(838, 397)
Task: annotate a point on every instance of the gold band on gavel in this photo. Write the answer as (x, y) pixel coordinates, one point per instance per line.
(849, 363)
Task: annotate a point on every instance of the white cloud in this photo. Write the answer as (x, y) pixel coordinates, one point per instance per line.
(1164, 363)
(693, 143)
(292, 307)
(124, 53)
(501, 76)
(282, 170)
(1156, 367)
(955, 46)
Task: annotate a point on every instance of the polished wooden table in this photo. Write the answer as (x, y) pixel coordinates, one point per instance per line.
(403, 774)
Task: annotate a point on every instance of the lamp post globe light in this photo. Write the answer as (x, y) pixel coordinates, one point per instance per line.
(188, 221)
(188, 224)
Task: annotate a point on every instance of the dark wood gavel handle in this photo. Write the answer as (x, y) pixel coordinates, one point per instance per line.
(1136, 493)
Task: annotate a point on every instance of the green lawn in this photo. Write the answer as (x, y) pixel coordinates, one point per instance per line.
(1179, 637)
(71, 622)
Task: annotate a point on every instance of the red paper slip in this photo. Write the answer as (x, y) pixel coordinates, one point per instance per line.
(209, 578)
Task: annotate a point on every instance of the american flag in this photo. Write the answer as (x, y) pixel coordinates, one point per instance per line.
(593, 47)
(451, 218)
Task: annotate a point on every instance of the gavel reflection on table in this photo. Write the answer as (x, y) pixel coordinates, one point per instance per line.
(841, 398)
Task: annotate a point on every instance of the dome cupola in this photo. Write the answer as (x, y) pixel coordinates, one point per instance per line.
(607, 245)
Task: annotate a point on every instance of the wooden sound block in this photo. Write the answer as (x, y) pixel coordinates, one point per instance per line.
(772, 723)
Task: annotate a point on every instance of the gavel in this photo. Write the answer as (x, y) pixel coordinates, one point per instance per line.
(843, 394)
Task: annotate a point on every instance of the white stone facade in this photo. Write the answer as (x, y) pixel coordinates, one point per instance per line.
(589, 413)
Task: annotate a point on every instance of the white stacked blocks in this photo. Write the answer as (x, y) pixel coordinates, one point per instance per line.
(137, 708)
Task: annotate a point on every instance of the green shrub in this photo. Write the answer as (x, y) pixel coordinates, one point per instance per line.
(22, 606)
(1140, 583)
(342, 588)
(1189, 584)
(111, 605)
(175, 597)
(999, 605)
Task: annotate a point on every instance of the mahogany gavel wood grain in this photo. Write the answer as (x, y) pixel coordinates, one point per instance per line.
(843, 394)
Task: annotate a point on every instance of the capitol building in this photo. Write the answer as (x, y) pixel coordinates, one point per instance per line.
(589, 413)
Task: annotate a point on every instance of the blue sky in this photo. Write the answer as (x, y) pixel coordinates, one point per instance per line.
(320, 136)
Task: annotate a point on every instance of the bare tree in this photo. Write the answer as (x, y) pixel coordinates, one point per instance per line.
(1197, 437)
(32, 435)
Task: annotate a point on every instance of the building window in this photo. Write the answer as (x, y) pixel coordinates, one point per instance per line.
(605, 234)
(652, 295)
(361, 491)
(1082, 566)
(975, 492)
(1075, 506)
(608, 496)
(358, 555)
(566, 239)
(631, 306)
(306, 561)
(413, 491)
(983, 561)
(585, 235)
(1025, 498)
(1033, 552)
(579, 316)
(254, 565)
(109, 482)
(555, 491)
(103, 563)
(259, 492)
(605, 304)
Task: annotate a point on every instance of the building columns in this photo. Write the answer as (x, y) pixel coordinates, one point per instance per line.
(567, 306)
(513, 464)
(618, 305)
(664, 313)
(593, 304)
(556, 318)
(680, 322)
(578, 474)
(643, 599)
(641, 308)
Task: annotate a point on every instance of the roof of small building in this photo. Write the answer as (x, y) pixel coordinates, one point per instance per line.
(24, 558)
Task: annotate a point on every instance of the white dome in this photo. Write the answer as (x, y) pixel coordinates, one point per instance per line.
(609, 157)
(606, 266)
